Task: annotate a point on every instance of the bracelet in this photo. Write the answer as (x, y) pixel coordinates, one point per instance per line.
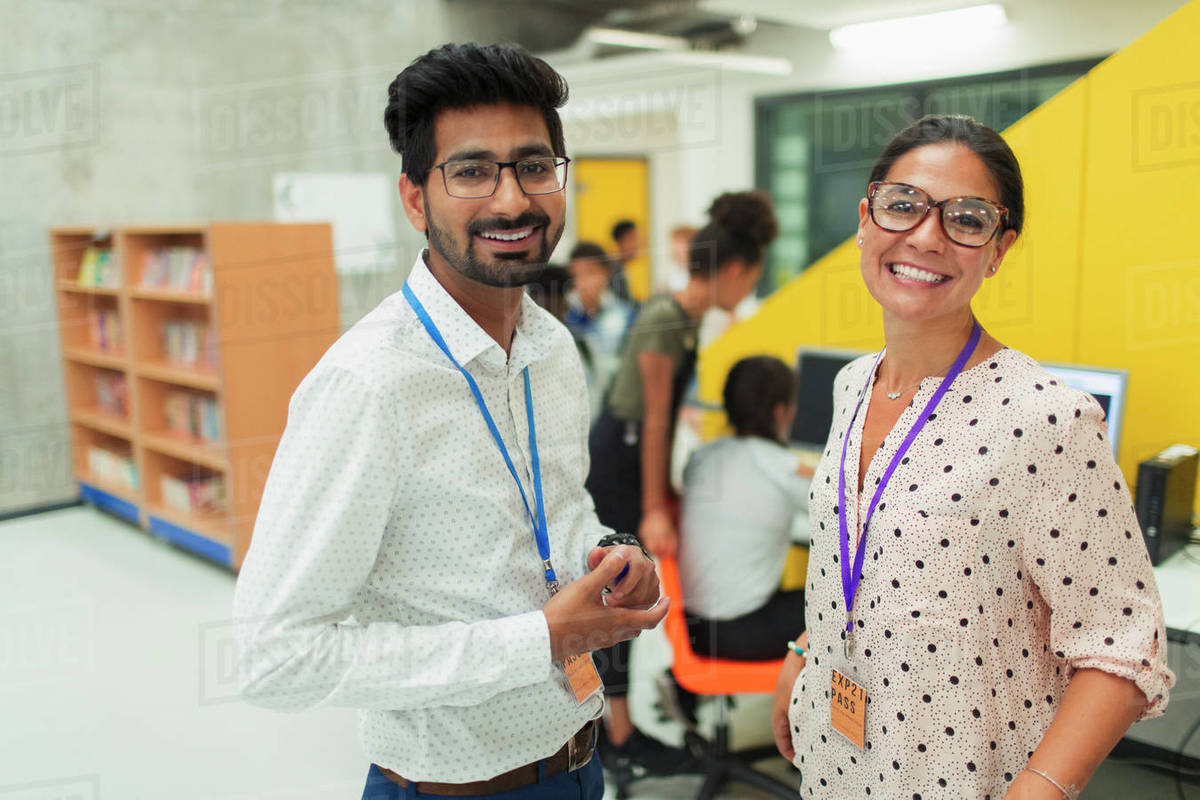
(1069, 792)
(797, 649)
(622, 538)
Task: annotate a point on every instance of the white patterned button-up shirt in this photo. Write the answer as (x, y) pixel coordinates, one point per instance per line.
(393, 567)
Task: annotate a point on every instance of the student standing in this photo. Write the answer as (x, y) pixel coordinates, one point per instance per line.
(423, 546)
(631, 441)
(982, 619)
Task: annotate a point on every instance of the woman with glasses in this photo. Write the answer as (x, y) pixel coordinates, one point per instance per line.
(982, 619)
(630, 442)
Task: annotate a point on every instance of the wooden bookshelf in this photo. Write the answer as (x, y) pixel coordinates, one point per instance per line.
(270, 313)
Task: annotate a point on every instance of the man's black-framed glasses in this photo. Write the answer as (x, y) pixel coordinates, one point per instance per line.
(471, 179)
(969, 221)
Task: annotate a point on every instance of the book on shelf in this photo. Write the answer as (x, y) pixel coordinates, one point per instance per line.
(190, 344)
(112, 394)
(104, 328)
(183, 269)
(97, 268)
(197, 494)
(194, 415)
(116, 469)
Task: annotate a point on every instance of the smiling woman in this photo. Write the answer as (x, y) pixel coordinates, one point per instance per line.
(1005, 628)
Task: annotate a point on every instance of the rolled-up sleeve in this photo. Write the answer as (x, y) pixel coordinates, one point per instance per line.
(323, 514)
(1086, 555)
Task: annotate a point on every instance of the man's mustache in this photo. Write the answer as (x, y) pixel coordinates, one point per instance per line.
(498, 224)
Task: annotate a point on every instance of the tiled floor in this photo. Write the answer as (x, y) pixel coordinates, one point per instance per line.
(115, 684)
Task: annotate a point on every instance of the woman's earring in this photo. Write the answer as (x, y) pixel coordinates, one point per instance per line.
(860, 245)
(993, 270)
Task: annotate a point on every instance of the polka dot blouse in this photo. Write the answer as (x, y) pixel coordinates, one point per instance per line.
(1004, 555)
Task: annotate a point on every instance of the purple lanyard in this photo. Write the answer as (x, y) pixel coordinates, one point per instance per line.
(851, 578)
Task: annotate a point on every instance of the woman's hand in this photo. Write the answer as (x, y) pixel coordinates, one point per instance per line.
(792, 665)
(657, 533)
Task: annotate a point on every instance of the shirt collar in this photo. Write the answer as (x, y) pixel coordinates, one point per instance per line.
(466, 340)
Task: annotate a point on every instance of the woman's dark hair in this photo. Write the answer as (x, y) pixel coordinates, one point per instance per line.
(740, 225)
(461, 76)
(984, 142)
(753, 390)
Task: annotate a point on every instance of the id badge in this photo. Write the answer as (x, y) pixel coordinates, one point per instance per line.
(848, 701)
(582, 677)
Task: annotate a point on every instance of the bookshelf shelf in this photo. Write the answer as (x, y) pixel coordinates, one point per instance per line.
(183, 376)
(102, 421)
(120, 492)
(187, 448)
(66, 285)
(169, 295)
(217, 527)
(94, 357)
(123, 348)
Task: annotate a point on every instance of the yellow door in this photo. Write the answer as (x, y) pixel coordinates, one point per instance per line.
(606, 192)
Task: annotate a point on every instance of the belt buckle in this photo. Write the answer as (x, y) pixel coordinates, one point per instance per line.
(578, 756)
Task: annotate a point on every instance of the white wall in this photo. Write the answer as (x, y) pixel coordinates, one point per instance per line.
(715, 114)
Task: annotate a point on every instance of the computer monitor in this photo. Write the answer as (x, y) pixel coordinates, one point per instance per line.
(815, 370)
(1108, 386)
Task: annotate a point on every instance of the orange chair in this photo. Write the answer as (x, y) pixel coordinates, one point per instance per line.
(719, 678)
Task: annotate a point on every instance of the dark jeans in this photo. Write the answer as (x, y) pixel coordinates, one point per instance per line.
(761, 635)
(615, 483)
(585, 783)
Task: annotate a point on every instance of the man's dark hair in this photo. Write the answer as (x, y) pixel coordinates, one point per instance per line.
(588, 250)
(457, 76)
(984, 142)
(753, 390)
(621, 228)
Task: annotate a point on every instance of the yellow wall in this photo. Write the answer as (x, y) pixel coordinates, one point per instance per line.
(609, 190)
(1107, 272)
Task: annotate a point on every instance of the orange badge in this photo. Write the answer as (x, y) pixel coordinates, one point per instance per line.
(848, 708)
(582, 675)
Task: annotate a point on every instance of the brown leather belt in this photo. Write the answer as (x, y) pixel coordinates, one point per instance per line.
(576, 753)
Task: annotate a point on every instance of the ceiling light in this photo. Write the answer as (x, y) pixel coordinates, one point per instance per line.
(645, 41)
(924, 29)
(734, 62)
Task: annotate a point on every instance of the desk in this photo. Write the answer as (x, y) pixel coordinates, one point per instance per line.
(1178, 581)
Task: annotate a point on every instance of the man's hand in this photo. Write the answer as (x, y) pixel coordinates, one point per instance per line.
(580, 621)
(792, 665)
(658, 534)
(636, 587)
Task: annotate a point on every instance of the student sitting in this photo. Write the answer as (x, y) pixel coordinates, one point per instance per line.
(741, 496)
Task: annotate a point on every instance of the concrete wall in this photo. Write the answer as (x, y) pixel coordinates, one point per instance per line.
(119, 111)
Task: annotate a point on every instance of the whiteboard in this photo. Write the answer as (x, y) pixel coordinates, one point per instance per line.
(360, 207)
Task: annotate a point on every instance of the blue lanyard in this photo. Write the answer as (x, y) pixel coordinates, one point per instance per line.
(852, 575)
(538, 522)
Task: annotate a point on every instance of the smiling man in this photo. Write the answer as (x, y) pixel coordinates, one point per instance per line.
(425, 550)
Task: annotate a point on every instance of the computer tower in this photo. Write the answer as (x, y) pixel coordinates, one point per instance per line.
(1166, 492)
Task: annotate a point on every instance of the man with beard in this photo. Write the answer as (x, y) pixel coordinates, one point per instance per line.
(425, 550)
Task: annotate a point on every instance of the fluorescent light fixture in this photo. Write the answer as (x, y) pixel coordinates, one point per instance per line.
(733, 62)
(645, 41)
(961, 24)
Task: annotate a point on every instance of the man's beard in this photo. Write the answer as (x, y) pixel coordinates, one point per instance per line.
(509, 269)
